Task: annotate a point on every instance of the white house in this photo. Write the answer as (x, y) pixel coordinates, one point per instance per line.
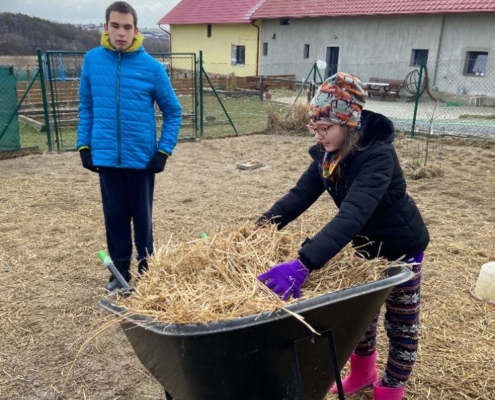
(383, 38)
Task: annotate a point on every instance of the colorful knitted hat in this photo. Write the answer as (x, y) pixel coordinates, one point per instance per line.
(339, 99)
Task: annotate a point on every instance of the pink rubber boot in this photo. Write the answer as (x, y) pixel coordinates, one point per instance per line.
(363, 374)
(386, 393)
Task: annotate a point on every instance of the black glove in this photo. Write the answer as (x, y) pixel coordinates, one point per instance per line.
(157, 162)
(264, 220)
(261, 221)
(87, 160)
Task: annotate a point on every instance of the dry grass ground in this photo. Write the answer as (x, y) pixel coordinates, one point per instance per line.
(51, 228)
(19, 60)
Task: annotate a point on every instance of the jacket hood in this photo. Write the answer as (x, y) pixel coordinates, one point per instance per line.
(136, 42)
(376, 128)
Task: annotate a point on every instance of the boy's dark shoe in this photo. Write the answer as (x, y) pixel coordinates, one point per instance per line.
(142, 266)
(124, 268)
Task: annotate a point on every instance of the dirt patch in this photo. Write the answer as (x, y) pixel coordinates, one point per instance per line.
(51, 227)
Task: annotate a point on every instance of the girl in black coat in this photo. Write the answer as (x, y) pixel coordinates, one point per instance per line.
(355, 162)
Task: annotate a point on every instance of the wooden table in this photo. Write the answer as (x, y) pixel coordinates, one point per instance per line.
(377, 88)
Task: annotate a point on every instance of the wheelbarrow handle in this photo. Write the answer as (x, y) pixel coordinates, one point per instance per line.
(107, 262)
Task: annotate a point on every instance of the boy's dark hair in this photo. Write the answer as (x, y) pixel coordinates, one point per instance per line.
(123, 8)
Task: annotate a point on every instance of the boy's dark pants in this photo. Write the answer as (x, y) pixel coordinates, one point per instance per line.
(127, 195)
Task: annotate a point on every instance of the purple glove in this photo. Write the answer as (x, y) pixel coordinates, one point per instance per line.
(286, 279)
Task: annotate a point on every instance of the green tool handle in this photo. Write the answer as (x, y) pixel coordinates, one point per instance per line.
(107, 261)
(104, 257)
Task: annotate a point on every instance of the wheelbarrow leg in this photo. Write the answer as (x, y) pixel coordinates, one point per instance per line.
(338, 380)
(168, 396)
(333, 351)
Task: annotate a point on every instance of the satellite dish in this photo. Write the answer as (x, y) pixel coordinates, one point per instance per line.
(321, 64)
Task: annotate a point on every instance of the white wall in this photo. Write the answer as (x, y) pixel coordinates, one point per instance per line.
(381, 46)
(461, 34)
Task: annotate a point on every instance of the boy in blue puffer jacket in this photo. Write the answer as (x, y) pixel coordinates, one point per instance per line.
(120, 84)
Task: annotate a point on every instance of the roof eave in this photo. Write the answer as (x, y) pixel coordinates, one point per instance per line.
(161, 22)
(260, 16)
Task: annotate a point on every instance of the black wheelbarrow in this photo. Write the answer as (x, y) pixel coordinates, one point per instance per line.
(272, 356)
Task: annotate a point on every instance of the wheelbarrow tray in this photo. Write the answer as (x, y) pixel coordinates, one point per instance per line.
(270, 356)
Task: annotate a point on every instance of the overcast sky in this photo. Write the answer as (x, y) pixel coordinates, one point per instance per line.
(87, 11)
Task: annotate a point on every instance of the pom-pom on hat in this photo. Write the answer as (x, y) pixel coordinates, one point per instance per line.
(340, 99)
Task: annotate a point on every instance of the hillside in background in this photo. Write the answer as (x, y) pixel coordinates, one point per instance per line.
(21, 35)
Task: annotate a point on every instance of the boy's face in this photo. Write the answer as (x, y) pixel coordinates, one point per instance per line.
(120, 27)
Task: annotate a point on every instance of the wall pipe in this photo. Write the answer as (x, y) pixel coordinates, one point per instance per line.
(169, 38)
(440, 38)
(253, 22)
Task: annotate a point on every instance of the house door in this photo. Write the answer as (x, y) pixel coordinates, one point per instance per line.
(332, 61)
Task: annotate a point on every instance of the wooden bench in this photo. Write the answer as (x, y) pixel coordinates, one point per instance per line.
(385, 88)
(287, 82)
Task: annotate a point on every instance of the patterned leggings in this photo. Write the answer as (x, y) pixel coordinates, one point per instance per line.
(401, 324)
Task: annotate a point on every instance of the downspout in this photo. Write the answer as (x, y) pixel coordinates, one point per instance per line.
(253, 22)
(440, 38)
(169, 38)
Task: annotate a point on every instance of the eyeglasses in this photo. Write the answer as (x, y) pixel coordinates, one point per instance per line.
(321, 130)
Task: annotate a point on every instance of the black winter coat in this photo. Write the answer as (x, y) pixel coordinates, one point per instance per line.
(375, 212)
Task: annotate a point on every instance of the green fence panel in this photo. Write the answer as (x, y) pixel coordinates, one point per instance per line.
(63, 70)
(9, 119)
(230, 99)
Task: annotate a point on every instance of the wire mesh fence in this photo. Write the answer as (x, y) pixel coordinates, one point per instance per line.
(461, 100)
(182, 71)
(236, 104)
(9, 126)
(63, 72)
(17, 92)
(448, 97)
(456, 97)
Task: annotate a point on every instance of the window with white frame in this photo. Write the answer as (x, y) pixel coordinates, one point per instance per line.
(476, 63)
(238, 55)
(417, 55)
(265, 49)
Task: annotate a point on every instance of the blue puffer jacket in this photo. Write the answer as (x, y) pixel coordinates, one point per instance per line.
(117, 94)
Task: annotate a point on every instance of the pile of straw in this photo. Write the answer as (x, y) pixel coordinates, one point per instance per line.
(214, 279)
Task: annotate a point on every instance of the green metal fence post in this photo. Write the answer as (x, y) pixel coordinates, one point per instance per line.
(195, 89)
(321, 77)
(299, 92)
(201, 103)
(45, 100)
(313, 89)
(53, 95)
(418, 94)
(220, 101)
